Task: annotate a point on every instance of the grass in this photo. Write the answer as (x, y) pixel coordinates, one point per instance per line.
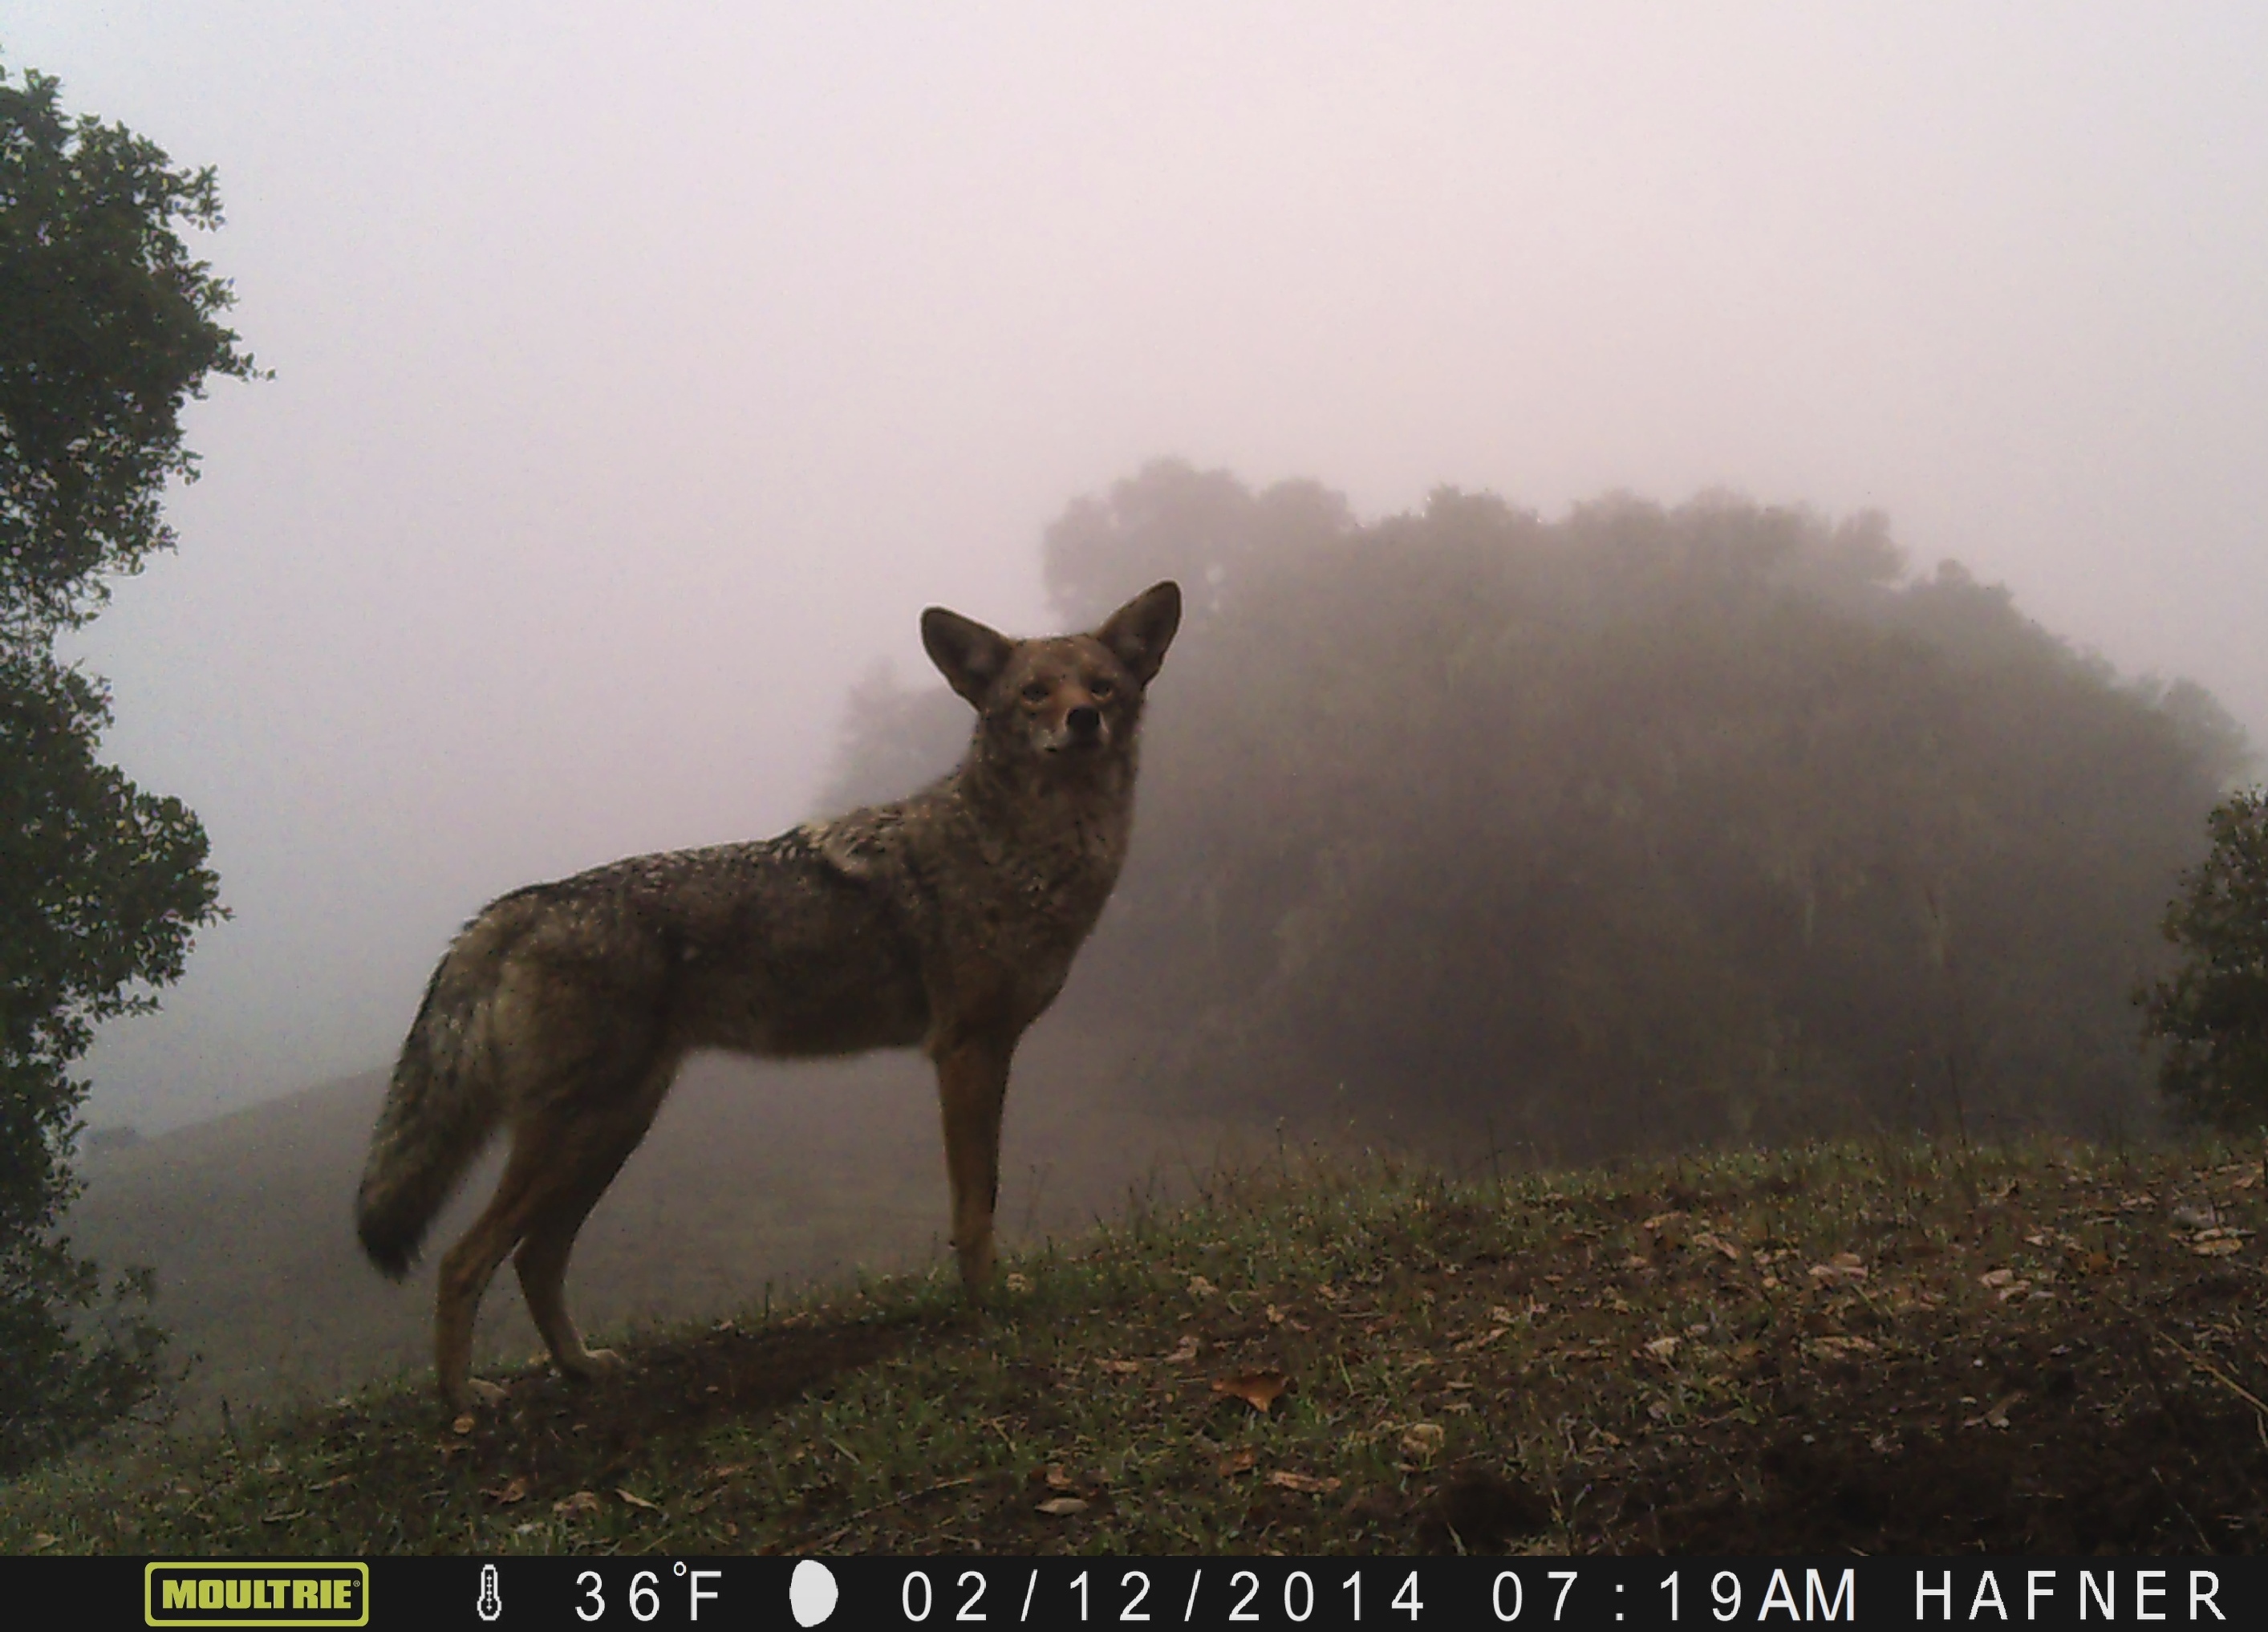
(1874, 1347)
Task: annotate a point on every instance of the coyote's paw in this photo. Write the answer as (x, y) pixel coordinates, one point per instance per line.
(591, 1364)
(473, 1392)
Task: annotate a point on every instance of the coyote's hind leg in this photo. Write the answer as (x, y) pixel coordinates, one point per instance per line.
(588, 1167)
(469, 1265)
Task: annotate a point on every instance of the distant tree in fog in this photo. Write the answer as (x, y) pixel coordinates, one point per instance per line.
(1637, 828)
(2212, 1012)
(894, 739)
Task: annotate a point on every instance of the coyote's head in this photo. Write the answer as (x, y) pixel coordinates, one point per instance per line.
(1066, 702)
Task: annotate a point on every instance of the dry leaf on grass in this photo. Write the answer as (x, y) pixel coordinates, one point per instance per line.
(1718, 1243)
(1422, 1440)
(1237, 1461)
(1257, 1388)
(1185, 1352)
(2215, 1244)
(2007, 1282)
(1844, 1266)
(1285, 1479)
(1996, 1414)
(1058, 1478)
(508, 1493)
(1663, 1347)
(575, 1506)
(1063, 1507)
(1123, 1368)
(1017, 1283)
(462, 1425)
(637, 1501)
(1842, 1347)
(1199, 1286)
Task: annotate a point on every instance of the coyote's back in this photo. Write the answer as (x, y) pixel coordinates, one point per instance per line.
(947, 922)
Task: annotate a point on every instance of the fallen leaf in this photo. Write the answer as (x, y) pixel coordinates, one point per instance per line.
(1058, 1479)
(1285, 1479)
(1017, 1283)
(41, 1541)
(1257, 1388)
(1658, 1219)
(1718, 1243)
(1842, 1267)
(516, 1491)
(1663, 1347)
(1502, 1315)
(1199, 1286)
(729, 1469)
(1124, 1367)
(1185, 1352)
(1422, 1439)
(462, 1425)
(1842, 1348)
(1063, 1507)
(1996, 1414)
(2212, 1245)
(637, 1501)
(1996, 1277)
(1237, 1461)
(575, 1506)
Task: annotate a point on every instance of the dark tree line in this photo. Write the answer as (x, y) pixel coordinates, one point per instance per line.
(1632, 830)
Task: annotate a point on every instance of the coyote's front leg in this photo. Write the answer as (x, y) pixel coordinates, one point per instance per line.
(972, 1081)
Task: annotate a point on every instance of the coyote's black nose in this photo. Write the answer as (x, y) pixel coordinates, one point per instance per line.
(1085, 722)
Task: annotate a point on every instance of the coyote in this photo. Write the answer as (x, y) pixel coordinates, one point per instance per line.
(947, 922)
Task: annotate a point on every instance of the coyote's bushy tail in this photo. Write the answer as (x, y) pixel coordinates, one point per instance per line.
(442, 1107)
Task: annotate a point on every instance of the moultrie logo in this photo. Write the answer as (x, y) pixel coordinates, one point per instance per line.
(228, 1593)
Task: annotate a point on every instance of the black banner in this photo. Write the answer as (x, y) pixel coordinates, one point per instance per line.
(947, 1594)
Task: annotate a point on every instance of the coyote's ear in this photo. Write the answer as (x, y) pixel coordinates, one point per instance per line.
(966, 653)
(1138, 632)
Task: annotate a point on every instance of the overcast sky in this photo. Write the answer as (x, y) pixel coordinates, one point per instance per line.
(641, 373)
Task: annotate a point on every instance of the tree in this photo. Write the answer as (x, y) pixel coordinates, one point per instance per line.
(1640, 828)
(2212, 1012)
(108, 327)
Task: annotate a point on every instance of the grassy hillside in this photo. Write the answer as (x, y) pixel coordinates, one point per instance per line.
(1888, 1348)
(779, 1176)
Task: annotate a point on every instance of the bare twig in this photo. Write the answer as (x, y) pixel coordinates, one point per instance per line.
(848, 1524)
(2259, 1408)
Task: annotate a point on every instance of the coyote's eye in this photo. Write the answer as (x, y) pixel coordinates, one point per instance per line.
(1100, 686)
(1037, 691)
